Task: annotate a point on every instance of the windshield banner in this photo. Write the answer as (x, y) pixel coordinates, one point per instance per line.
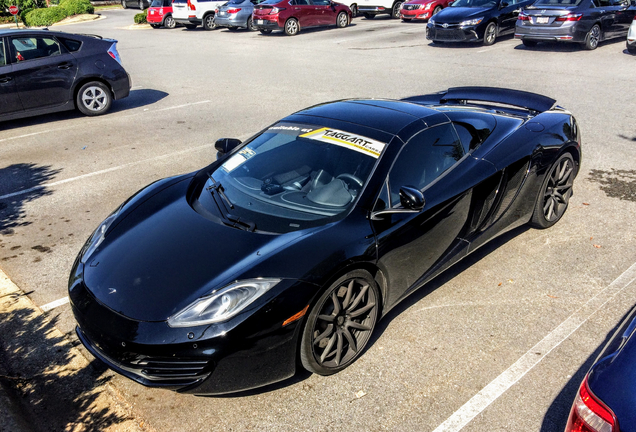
(345, 139)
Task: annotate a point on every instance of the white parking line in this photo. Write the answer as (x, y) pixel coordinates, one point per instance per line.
(514, 373)
(104, 171)
(31, 134)
(47, 307)
(184, 105)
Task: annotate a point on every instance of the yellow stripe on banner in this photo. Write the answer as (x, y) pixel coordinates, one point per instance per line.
(352, 145)
(305, 135)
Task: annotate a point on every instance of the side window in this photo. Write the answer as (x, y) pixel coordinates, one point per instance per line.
(71, 44)
(468, 136)
(424, 158)
(30, 48)
(321, 2)
(3, 57)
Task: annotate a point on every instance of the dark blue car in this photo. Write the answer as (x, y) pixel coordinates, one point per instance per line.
(606, 400)
(475, 21)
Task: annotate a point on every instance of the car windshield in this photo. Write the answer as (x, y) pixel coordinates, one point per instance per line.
(557, 3)
(474, 3)
(294, 176)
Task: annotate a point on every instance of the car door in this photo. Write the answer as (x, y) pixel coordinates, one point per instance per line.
(324, 12)
(508, 13)
(9, 99)
(44, 70)
(624, 16)
(305, 12)
(412, 244)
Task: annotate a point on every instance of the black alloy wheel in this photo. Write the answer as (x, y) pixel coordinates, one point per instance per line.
(592, 38)
(395, 12)
(555, 192)
(340, 324)
(490, 34)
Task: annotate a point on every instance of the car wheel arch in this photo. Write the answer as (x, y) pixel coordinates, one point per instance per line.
(79, 84)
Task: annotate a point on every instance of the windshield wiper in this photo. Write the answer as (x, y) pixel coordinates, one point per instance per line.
(227, 218)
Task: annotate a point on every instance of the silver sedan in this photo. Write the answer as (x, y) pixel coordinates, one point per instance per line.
(236, 14)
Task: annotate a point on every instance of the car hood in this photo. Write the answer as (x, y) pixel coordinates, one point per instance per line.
(458, 14)
(163, 255)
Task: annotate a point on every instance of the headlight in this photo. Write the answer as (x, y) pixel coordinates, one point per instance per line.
(472, 22)
(223, 304)
(427, 6)
(98, 235)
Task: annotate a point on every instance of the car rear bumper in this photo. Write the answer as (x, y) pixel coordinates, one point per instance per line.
(261, 24)
(189, 20)
(154, 18)
(452, 34)
(544, 33)
(234, 20)
(374, 10)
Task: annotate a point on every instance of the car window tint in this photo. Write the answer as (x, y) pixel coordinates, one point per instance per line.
(424, 158)
(71, 44)
(3, 58)
(321, 2)
(468, 136)
(30, 48)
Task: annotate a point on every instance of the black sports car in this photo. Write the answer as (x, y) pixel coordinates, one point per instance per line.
(475, 21)
(43, 72)
(291, 246)
(587, 22)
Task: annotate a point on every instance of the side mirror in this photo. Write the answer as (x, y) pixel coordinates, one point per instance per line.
(411, 198)
(503, 4)
(226, 145)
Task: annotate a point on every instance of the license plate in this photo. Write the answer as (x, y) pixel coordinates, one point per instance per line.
(260, 22)
(543, 20)
(221, 13)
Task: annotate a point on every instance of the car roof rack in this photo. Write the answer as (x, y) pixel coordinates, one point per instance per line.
(517, 98)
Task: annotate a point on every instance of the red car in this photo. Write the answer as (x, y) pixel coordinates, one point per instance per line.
(422, 9)
(160, 14)
(292, 15)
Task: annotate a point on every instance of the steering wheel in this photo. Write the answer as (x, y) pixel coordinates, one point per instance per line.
(351, 177)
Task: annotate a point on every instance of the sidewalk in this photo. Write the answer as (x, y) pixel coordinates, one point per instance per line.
(46, 383)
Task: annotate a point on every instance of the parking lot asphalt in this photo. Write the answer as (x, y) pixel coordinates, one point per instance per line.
(555, 294)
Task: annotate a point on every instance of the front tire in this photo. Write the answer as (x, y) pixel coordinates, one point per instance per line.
(342, 20)
(555, 192)
(592, 38)
(354, 10)
(437, 10)
(490, 34)
(292, 27)
(93, 98)
(340, 324)
(395, 12)
(208, 22)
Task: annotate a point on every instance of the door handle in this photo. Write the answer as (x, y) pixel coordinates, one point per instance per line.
(64, 65)
(5, 79)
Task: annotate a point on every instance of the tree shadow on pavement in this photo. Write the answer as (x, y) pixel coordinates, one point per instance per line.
(29, 180)
(55, 385)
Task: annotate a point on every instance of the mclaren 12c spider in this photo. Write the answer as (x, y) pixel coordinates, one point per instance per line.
(287, 250)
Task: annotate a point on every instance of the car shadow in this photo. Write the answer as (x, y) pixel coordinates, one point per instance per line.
(556, 416)
(136, 99)
(19, 184)
(564, 47)
(469, 45)
(310, 30)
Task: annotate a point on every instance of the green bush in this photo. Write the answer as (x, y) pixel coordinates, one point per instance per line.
(140, 18)
(76, 7)
(8, 19)
(22, 4)
(44, 16)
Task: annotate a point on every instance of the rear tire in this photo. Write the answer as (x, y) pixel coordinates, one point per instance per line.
(250, 24)
(208, 22)
(395, 11)
(529, 43)
(292, 27)
(592, 38)
(169, 22)
(354, 10)
(342, 20)
(93, 98)
(555, 192)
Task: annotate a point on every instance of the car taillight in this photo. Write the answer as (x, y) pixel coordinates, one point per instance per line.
(523, 17)
(235, 10)
(112, 51)
(571, 17)
(276, 10)
(589, 414)
(191, 6)
(160, 11)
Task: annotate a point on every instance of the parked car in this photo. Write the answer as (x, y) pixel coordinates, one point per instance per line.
(160, 14)
(370, 8)
(606, 398)
(586, 22)
(292, 15)
(141, 4)
(475, 21)
(236, 14)
(290, 247)
(192, 13)
(353, 6)
(43, 71)
(631, 37)
(422, 9)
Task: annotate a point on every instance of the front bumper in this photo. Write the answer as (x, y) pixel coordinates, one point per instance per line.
(455, 33)
(566, 33)
(416, 14)
(241, 354)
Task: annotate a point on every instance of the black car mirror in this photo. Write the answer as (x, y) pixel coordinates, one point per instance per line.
(503, 4)
(411, 198)
(226, 145)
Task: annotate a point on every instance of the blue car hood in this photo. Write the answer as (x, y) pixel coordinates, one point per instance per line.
(164, 255)
(459, 14)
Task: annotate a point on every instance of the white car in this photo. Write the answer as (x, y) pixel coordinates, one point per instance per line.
(371, 8)
(192, 13)
(631, 38)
